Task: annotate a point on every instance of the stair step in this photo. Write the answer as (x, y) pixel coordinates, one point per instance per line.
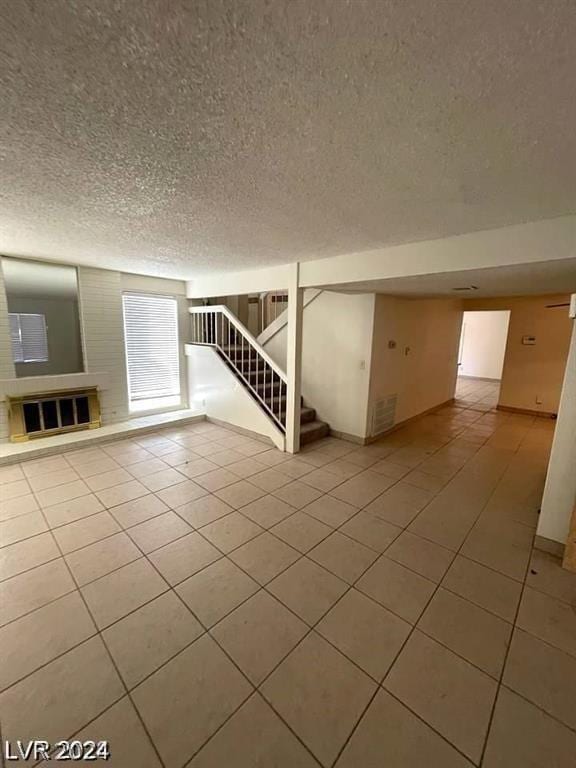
(267, 388)
(307, 415)
(311, 428)
(312, 431)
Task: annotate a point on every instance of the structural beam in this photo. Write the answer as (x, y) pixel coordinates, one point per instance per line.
(238, 283)
(294, 359)
(519, 244)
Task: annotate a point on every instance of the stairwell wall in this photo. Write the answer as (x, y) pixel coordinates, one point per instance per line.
(414, 354)
(337, 344)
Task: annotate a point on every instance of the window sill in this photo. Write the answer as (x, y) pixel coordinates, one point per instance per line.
(155, 405)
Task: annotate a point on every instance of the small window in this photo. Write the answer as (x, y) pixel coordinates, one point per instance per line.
(152, 353)
(28, 337)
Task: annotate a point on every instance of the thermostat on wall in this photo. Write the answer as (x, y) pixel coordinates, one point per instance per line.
(531, 340)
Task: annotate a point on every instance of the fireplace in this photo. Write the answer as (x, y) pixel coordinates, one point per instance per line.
(52, 413)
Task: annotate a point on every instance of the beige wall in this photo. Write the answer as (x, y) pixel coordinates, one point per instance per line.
(347, 365)
(532, 375)
(421, 368)
(337, 346)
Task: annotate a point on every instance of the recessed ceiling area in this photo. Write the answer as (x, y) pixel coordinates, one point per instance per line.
(547, 277)
(179, 139)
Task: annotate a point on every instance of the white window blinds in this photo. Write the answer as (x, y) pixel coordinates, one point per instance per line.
(151, 336)
(28, 337)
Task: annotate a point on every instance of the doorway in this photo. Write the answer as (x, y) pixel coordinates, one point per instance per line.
(481, 356)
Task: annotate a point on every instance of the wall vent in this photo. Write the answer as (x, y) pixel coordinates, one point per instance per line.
(384, 414)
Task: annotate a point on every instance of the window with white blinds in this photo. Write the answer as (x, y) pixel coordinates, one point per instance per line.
(28, 337)
(151, 337)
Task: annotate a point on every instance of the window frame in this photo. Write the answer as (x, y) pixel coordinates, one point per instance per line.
(154, 400)
(23, 359)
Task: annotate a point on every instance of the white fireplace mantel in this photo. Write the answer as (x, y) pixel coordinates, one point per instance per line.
(31, 385)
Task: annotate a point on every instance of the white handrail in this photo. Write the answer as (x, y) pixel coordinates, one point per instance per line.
(244, 331)
(217, 327)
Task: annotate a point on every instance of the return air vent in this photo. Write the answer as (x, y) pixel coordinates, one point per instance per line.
(51, 413)
(384, 414)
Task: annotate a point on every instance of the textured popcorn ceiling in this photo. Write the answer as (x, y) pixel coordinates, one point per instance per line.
(177, 137)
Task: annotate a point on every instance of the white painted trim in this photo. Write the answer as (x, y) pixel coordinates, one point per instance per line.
(31, 385)
(536, 241)
(238, 283)
(243, 330)
(282, 320)
(532, 242)
(294, 362)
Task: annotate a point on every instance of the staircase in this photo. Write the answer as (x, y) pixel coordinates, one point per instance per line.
(217, 327)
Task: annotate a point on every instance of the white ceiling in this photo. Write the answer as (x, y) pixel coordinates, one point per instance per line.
(179, 138)
(520, 280)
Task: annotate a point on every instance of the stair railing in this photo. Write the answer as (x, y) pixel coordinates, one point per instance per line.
(272, 305)
(218, 327)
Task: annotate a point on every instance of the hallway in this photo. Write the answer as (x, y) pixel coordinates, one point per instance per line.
(192, 594)
(477, 393)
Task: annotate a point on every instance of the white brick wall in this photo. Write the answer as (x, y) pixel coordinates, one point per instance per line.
(103, 336)
(100, 299)
(6, 364)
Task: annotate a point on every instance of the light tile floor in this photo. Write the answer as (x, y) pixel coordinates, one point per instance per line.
(199, 599)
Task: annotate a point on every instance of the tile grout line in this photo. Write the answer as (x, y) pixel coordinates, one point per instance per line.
(410, 634)
(312, 629)
(507, 653)
(295, 511)
(111, 658)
